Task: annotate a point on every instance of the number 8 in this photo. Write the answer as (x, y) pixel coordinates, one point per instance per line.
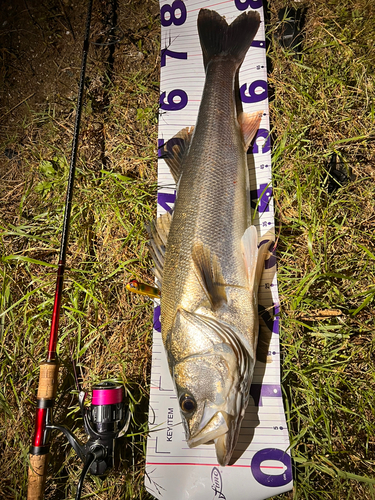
(171, 9)
(243, 5)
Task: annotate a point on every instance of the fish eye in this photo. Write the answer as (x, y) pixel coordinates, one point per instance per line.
(187, 403)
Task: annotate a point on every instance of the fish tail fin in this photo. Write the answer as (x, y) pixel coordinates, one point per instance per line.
(217, 38)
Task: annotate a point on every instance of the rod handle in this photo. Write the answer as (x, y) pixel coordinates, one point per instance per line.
(37, 476)
(48, 380)
(39, 451)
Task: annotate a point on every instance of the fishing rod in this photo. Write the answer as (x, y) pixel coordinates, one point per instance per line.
(107, 418)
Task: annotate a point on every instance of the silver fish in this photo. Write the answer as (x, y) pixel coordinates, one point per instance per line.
(205, 253)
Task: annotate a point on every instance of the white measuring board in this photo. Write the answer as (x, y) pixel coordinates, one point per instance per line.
(262, 465)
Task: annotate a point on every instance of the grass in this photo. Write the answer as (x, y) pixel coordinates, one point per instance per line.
(322, 103)
(103, 329)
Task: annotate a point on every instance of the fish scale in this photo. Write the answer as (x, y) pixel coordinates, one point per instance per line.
(212, 204)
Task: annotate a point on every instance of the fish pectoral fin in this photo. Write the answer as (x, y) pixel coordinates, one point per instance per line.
(249, 247)
(158, 232)
(208, 272)
(249, 124)
(174, 151)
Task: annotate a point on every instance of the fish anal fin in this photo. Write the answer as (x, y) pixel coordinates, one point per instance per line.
(253, 256)
(249, 123)
(158, 232)
(174, 151)
(208, 272)
(267, 241)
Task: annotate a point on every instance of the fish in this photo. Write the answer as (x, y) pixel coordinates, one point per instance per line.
(206, 251)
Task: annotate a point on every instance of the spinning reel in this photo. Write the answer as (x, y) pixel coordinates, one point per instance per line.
(104, 421)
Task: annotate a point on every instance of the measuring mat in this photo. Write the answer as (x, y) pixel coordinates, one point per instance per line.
(261, 463)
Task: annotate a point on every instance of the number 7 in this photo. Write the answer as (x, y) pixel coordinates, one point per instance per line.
(171, 53)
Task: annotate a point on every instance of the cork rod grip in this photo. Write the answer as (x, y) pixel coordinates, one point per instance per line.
(47, 389)
(37, 477)
(48, 380)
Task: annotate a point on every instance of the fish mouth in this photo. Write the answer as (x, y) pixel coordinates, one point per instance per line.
(222, 430)
(216, 427)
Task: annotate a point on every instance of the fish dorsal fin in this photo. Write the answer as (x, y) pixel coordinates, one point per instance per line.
(208, 271)
(159, 231)
(175, 150)
(249, 124)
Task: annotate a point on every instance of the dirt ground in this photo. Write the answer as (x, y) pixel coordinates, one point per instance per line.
(41, 52)
(41, 49)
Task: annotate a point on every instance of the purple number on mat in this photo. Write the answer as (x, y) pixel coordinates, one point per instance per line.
(266, 146)
(257, 91)
(244, 4)
(264, 193)
(269, 263)
(273, 454)
(161, 151)
(166, 200)
(177, 5)
(171, 105)
(259, 391)
(171, 53)
(157, 324)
